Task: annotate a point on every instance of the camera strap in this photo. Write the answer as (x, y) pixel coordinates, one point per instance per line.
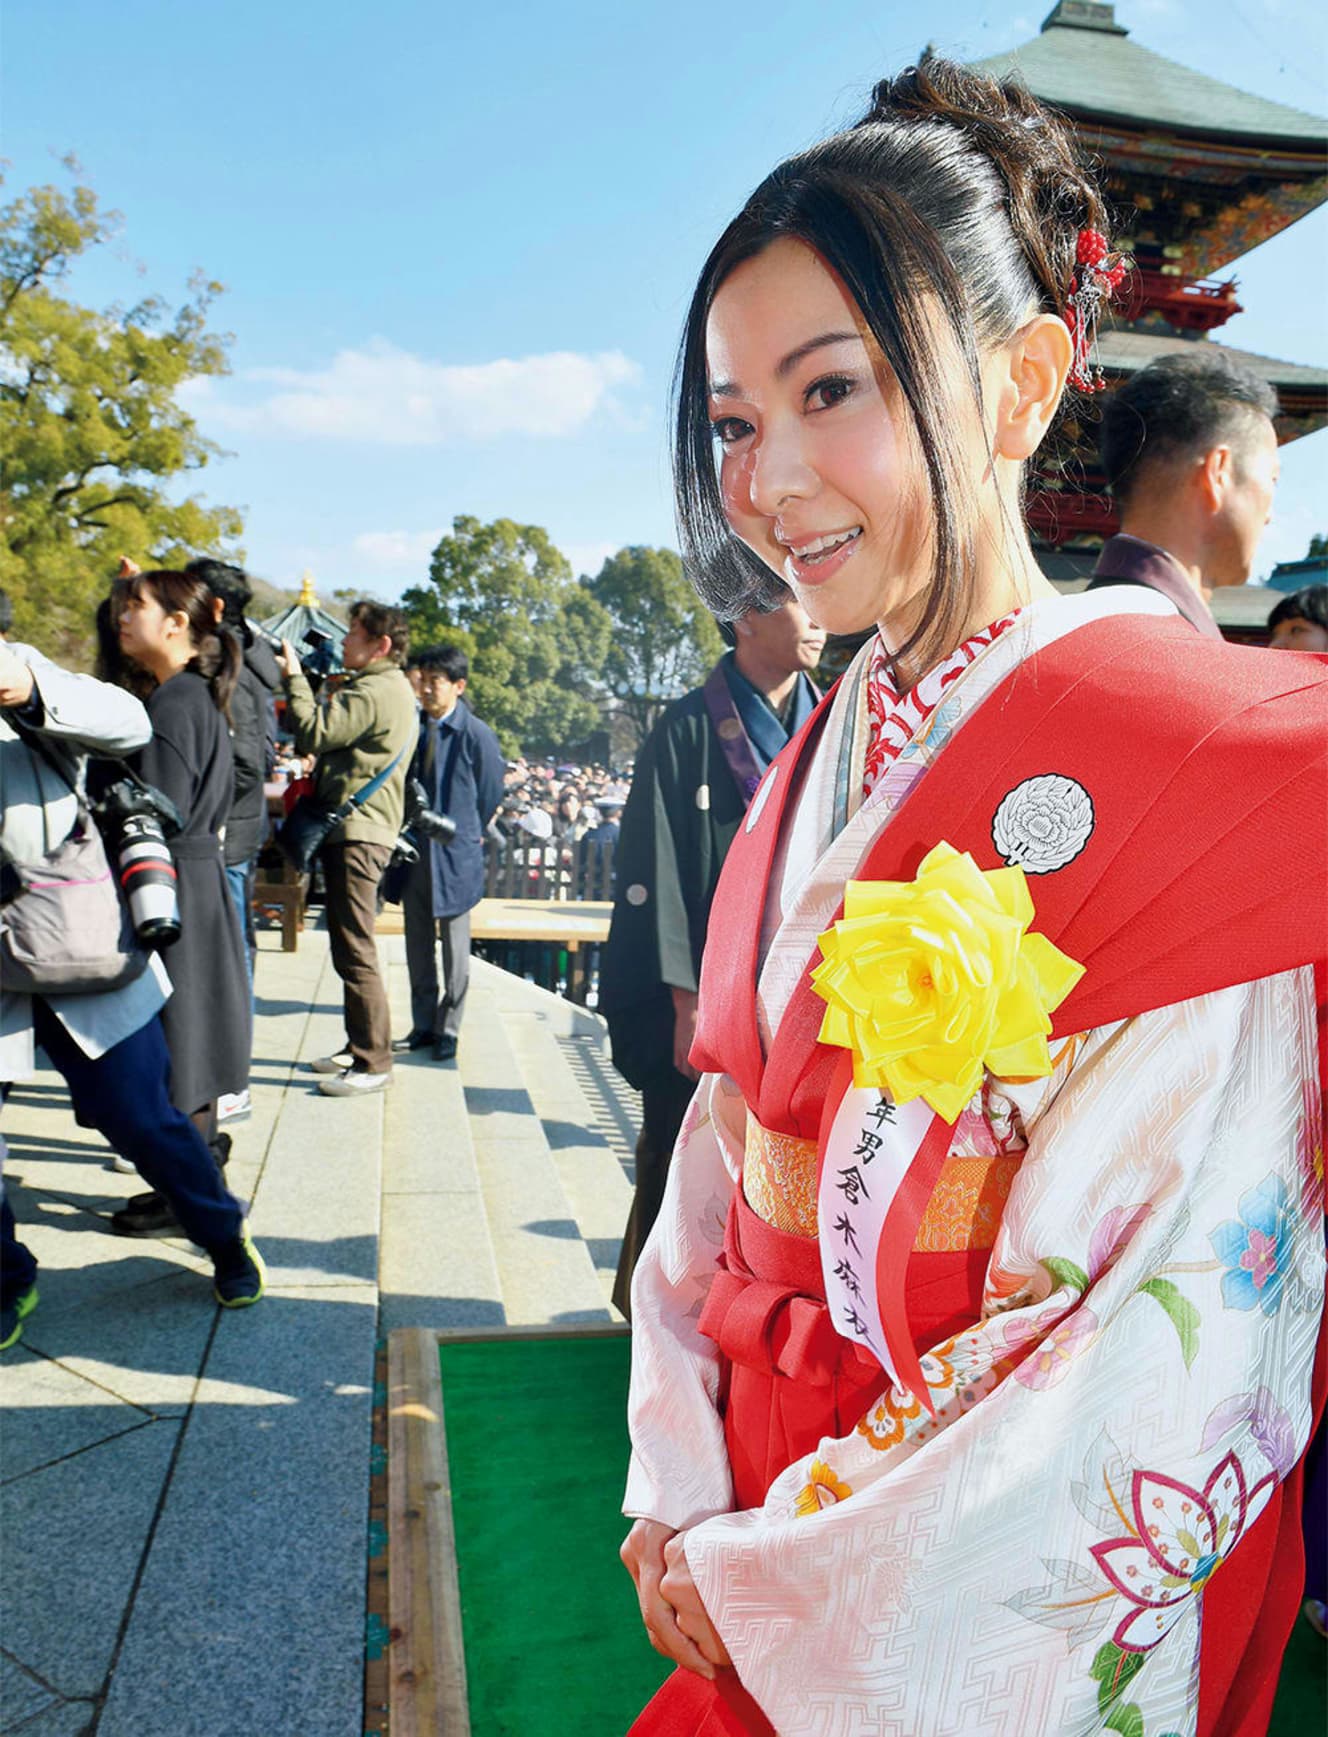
(365, 791)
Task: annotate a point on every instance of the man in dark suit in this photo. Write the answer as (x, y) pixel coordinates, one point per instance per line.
(461, 766)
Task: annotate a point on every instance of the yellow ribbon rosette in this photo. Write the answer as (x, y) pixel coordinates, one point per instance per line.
(930, 982)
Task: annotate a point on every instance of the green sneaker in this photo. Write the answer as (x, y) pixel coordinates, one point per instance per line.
(14, 1314)
(238, 1273)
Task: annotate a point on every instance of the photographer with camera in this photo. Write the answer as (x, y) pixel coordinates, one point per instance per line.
(105, 1039)
(361, 735)
(461, 767)
(168, 627)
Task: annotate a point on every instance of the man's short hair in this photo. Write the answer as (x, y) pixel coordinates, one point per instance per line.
(1178, 407)
(6, 611)
(226, 581)
(446, 660)
(381, 620)
(1309, 604)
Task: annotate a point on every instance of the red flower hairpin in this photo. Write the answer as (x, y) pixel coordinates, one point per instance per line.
(1097, 276)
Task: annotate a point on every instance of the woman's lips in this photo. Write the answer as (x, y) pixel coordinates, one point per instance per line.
(819, 568)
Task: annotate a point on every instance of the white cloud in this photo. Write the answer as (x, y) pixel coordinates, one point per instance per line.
(397, 548)
(391, 397)
(588, 558)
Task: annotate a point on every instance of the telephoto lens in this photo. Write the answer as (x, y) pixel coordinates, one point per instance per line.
(147, 877)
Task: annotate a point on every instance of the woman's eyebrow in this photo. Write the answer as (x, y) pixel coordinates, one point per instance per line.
(786, 364)
(790, 362)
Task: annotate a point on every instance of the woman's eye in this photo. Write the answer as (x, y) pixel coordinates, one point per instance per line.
(727, 429)
(832, 389)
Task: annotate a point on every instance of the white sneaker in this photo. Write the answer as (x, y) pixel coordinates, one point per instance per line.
(354, 1083)
(332, 1064)
(234, 1106)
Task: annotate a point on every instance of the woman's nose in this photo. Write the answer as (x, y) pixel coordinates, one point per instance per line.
(780, 471)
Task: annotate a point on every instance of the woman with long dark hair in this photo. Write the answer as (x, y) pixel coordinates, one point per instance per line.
(168, 627)
(974, 1346)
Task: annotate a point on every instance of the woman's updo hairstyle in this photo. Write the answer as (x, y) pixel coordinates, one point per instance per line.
(218, 655)
(953, 192)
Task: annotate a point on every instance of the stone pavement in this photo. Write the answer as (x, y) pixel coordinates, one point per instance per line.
(183, 1490)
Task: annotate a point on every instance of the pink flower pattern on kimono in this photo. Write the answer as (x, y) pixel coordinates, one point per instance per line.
(1112, 1237)
(1055, 1346)
(1180, 1539)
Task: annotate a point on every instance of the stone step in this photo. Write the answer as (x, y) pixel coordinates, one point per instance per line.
(436, 1262)
(588, 1160)
(543, 1264)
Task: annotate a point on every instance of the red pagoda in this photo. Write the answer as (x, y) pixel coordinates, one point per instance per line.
(1197, 173)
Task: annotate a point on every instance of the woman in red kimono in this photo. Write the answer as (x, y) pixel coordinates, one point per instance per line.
(977, 1333)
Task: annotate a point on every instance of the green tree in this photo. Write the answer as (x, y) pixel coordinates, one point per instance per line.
(537, 640)
(664, 641)
(90, 428)
(1318, 546)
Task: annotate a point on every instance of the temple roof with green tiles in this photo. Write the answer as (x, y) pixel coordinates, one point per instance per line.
(1085, 63)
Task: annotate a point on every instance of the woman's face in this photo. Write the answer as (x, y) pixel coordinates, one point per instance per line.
(821, 473)
(147, 632)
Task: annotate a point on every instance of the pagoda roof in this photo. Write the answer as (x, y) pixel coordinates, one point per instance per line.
(293, 622)
(1085, 63)
(1126, 351)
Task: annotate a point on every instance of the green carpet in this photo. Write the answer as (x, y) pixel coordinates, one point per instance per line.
(1301, 1709)
(537, 1449)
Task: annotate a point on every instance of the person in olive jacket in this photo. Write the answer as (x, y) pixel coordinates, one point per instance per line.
(368, 724)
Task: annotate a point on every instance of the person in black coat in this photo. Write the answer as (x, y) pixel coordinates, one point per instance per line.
(461, 766)
(168, 627)
(253, 720)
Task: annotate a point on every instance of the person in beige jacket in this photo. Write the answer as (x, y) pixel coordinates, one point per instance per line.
(366, 725)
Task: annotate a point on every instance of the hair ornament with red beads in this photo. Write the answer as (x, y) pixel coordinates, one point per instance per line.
(1098, 274)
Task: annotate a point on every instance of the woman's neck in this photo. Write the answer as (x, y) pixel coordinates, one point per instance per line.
(167, 662)
(1007, 578)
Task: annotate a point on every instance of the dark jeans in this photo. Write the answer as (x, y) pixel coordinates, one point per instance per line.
(663, 1105)
(18, 1265)
(352, 872)
(124, 1095)
(240, 880)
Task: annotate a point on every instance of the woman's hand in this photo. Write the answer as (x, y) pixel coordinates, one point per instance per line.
(645, 1552)
(691, 1615)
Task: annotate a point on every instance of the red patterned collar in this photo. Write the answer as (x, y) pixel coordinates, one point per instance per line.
(895, 718)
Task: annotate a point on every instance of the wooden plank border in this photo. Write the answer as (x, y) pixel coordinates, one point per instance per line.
(427, 1676)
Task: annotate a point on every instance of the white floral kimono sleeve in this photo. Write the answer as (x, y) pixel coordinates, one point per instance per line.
(1031, 1560)
(679, 1471)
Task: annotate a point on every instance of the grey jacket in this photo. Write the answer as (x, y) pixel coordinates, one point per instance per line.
(78, 716)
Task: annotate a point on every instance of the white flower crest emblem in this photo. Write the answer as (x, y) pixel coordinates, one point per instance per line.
(1043, 823)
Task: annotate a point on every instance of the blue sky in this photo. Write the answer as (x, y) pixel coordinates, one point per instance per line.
(458, 242)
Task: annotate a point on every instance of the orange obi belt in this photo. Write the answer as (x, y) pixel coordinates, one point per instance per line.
(964, 1212)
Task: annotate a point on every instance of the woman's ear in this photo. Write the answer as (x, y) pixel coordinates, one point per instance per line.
(1030, 380)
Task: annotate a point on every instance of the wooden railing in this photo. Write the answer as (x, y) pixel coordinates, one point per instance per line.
(529, 869)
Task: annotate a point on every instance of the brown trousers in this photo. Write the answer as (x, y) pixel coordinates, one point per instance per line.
(352, 873)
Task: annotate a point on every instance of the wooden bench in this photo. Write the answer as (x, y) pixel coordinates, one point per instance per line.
(280, 892)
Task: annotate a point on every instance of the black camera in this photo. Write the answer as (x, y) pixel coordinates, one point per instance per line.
(136, 821)
(423, 820)
(320, 659)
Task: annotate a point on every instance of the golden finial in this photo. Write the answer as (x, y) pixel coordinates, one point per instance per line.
(308, 596)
